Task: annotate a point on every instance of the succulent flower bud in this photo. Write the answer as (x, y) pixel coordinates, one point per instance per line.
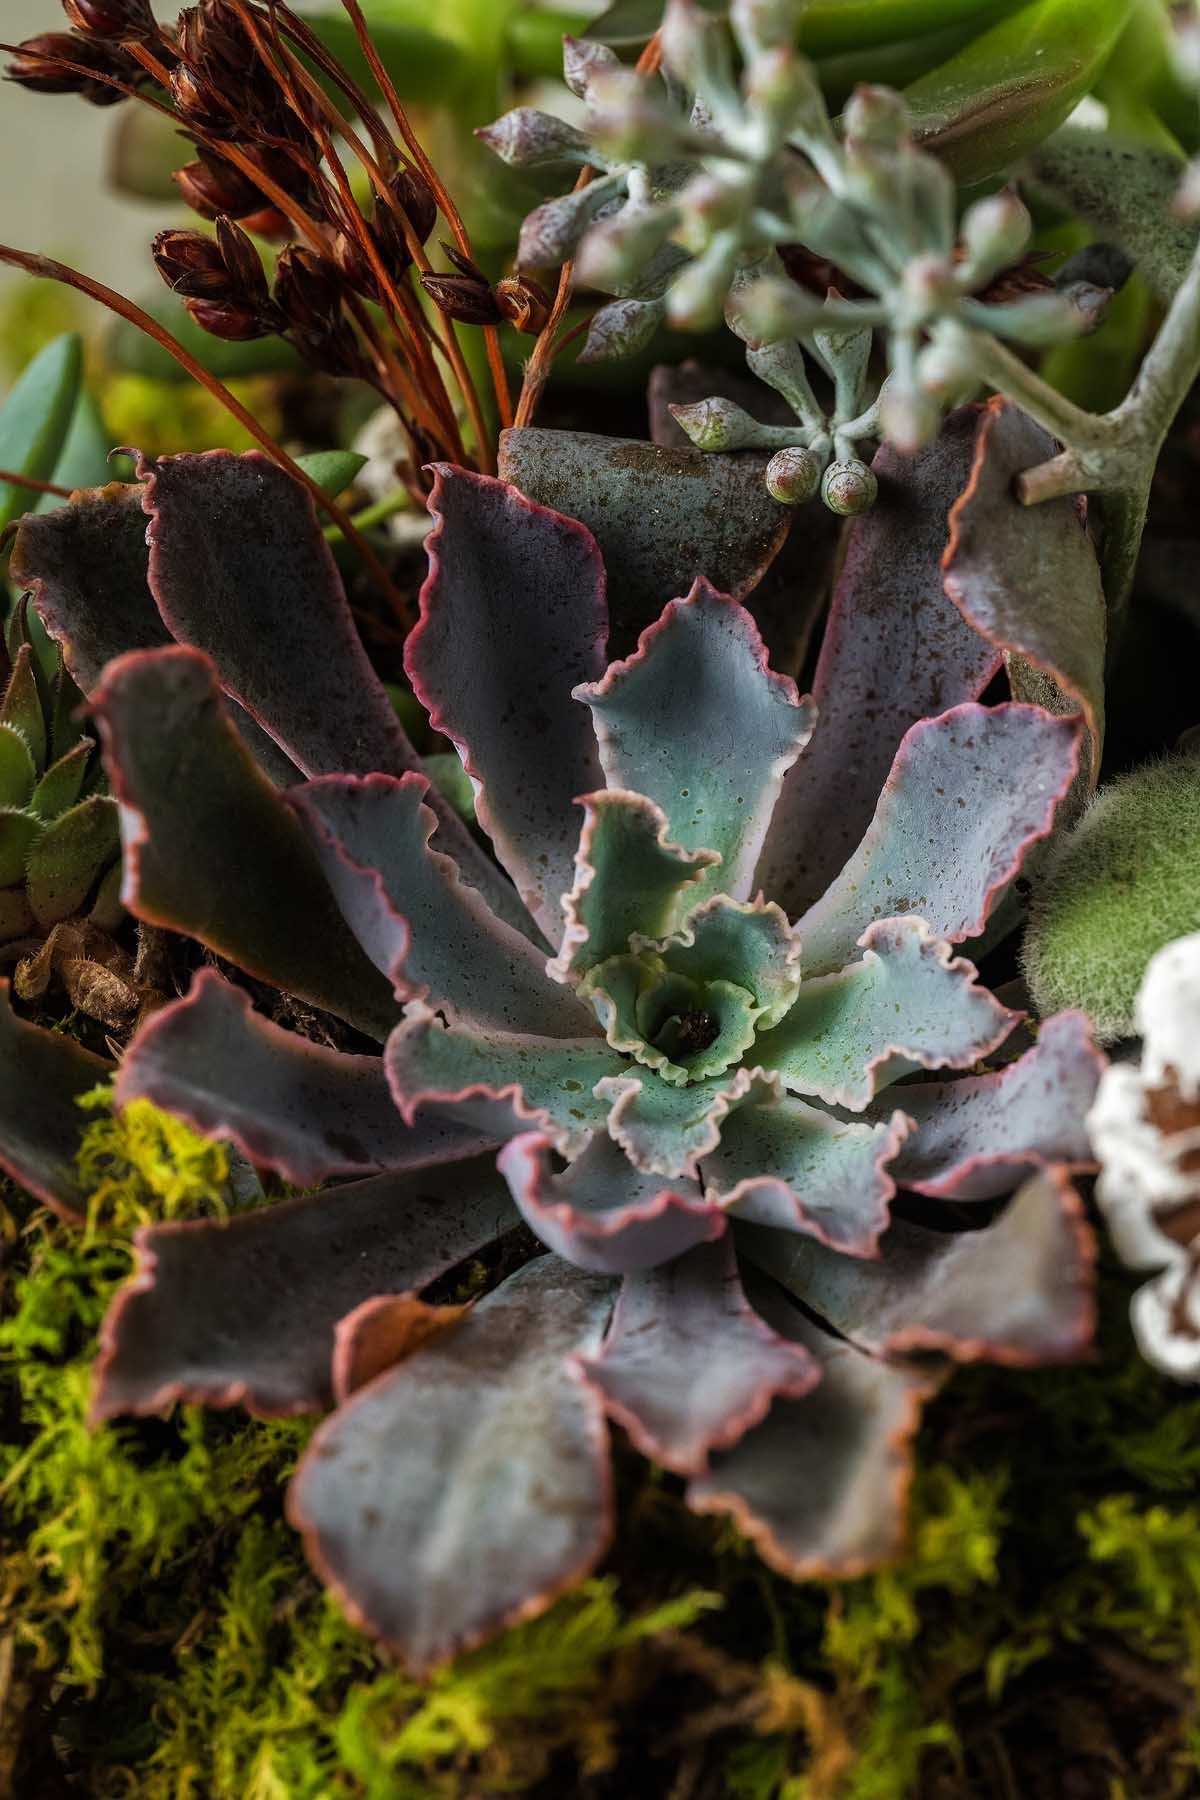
(631, 121)
(782, 88)
(929, 285)
(793, 475)
(994, 233)
(212, 186)
(696, 48)
(877, 116)
(716, 424)
(710, 203)
(551, 231)
(945, 366)
(766, 24)
(696, 299)
(909, 416)
(523, 303)
(615, 251)
(773, 309)
(40, 65)
(583, 61)
(115, 21)
(622, 329)
(527, 139)
(848, 488)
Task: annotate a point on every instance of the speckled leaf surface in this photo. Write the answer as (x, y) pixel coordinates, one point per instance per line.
(42, 1074)
(465, 1489)
(821, 1485)
(967, 794)
(662, 518)
(307, 1111)
(688, 1365)
(894, 650)
(790, 1166)
(86, 565)
(629, 877)
(512, 618)
(239, 569)
(697, 722)
(432, 935)
(977, 1137)
(748, 943)
(601, 1213)
(906, 1003)
(210, 846)
(549, 1081)
(665, 1130)
(1017, 1291)
(1027, 577)
(243, 1311)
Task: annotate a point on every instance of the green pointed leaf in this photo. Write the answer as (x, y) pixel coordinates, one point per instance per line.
(62, 784)
(332, 470)
(18, 833)
(22, 706)
(35, 419)
(69, 856)
(18, 772)
(628, 878)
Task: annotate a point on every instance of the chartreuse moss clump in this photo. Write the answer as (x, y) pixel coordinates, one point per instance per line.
(168, 1640)
(1123, 885)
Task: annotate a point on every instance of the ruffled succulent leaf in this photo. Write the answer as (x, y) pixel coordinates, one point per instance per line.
(42, 1075)
(666, 1130)
(789, 1166)
(434, 937)
(549, 1082)
(894, 651)
(906, 1004)
(688, 1366)
(305, 1110)
(629, 877)
(212, 849)
(243, 1311)
(749, 943)
(967, 794)
(87, 565)
(601, 1213)
(381, 1332)
(240, 569)
(644, 1008)
(68, 858)
(1027, 577)
(512, 617)
(1017, 1291)
(821, 1485)
(977, 1137)
(697, 722)
(662, 518)
(468, 1487)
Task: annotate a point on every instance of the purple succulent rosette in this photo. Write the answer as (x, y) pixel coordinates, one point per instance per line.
(695, 1025)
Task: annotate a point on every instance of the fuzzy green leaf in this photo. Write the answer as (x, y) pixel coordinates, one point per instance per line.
(62, 784)
(69, 856)
(22, 706)
(18, 772)
(19, 832)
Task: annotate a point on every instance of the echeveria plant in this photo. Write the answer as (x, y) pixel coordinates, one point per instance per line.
(691, 1027)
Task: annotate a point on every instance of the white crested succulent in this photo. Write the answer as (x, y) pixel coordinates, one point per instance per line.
(1145, 1129)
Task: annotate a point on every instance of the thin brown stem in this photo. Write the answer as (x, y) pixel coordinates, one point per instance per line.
(46, 268)
(537, 369)
(35, 487)
(499, 375)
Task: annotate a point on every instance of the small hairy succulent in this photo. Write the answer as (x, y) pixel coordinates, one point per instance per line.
(59, 842)
(695, 1027)
(716, 169)
(1145, 1127)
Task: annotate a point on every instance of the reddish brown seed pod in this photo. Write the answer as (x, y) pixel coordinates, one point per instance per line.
(191, 264)
(523, 303)
(211, 186)
(112, 21)
(228, 319)
(468, 299)
(41, 65)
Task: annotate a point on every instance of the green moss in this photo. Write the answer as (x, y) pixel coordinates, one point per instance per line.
(171, 1644)
(1123, 885)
